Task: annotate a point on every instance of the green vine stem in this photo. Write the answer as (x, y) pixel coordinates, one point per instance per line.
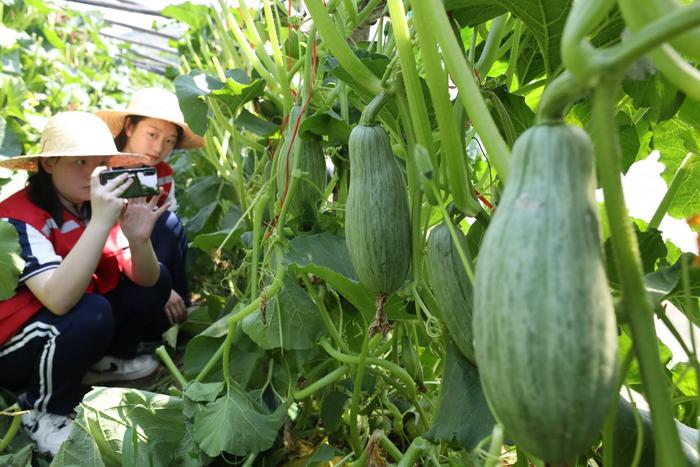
(378, 437)
(170, 365)
(371, 112)
(327, 380)
(452, 149)
(409, 386)
(363, 77)
(673, 66)
(323, 313)
(268, 292)
(676, 182)
(494, 454)
(636, 303)
(414, 92)
(469, 93)
(357, 393)
(559, 94)
(258, 213)
(415, 194)
(418, 448)
(590, 65)
(489, 53)
(247, 50)
(15, 413)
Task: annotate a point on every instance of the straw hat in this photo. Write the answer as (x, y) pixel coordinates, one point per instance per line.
(153, 103)
(71, 134)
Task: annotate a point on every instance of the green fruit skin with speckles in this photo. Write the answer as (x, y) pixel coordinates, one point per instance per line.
(451, 286)
(544, 326)
(377, 216)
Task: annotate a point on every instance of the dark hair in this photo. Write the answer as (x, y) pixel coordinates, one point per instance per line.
(120, 139)
(42, 192)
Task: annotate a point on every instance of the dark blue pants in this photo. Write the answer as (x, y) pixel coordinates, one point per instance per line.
(49, 356)
(170, 244)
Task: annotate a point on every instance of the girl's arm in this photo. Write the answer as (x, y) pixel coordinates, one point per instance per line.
(61, 288)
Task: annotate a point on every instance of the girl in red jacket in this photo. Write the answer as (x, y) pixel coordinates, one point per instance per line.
(91, 289)
(153, 125)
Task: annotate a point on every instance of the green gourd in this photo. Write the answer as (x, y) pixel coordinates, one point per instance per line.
(306, 156)
(451, 286)
(377, 216)
(544, 326)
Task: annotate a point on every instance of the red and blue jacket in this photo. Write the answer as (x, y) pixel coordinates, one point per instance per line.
(43, 246)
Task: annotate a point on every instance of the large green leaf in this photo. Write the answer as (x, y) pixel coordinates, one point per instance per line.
(545, 18)
(234, 92)
(326, 123)
(290, 320)
(236, 424)
(377, 63)
(21, 458)
(474, 12)
(195, 16)
(153, 426)
(326, 256)
(655, 92)
(464, 417)
(237, 89)
(255, 124)
(674, 139)
(190, 89)
(11, 263)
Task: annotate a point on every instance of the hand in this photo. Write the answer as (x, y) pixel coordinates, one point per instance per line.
(139, 217)
(175, 308)
(104, 199)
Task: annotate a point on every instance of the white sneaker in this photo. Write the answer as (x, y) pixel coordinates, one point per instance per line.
(47, 430)
(119, 369)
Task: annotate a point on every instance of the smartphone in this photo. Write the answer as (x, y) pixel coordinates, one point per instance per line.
(145, 181)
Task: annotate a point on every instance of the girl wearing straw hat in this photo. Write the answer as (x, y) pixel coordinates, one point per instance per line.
(91, 288)
(153, 125)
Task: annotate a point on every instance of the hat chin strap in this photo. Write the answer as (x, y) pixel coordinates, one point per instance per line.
(80, 210)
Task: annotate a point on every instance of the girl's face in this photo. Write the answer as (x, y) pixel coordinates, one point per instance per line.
(71, 175)
(151, 136)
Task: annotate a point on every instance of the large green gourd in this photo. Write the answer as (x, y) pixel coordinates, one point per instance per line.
(307, 156)
(377, 217)
(544, 324)
(451, 286)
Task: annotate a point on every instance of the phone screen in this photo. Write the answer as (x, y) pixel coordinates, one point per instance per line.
(145, 181)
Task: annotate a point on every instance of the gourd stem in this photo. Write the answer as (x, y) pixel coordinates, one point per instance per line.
(636, 303)
(371, 112)
(559, 94)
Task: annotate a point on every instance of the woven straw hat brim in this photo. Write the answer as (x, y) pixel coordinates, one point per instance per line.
(115, 121)
(29, 162)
